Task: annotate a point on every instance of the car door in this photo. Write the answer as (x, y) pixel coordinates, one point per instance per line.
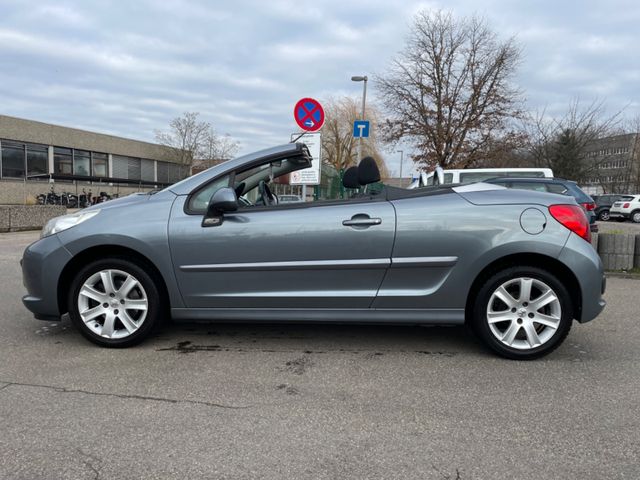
(310, 255)
(433, 239)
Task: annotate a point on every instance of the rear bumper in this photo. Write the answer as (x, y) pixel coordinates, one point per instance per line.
(42, 264)
(586, 265)
(619, 214)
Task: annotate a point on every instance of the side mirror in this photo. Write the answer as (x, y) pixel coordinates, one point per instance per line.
(223, 201)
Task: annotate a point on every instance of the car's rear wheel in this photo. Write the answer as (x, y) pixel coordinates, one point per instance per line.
(523, 313)
(114, 303)
(635, 216)
(604, 215)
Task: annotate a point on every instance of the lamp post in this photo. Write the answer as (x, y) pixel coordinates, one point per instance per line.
(361, 78)
(401, 152)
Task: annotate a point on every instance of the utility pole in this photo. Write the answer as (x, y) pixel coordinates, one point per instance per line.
(361, 78)
(401, 152)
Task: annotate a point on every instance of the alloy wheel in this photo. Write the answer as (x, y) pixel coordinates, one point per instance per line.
(636, 217)
(524, 313)
(112, 304)
(605, 215)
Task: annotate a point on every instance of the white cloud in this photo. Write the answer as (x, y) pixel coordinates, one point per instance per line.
(61, 14)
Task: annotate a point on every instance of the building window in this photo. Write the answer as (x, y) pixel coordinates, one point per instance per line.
(176, 172)
(13, 159)
(99, 164)
(63, 161)
(134, 169)
(81, 163)
(163, 172)
(120, 166)
(37, 160)
(147, 170)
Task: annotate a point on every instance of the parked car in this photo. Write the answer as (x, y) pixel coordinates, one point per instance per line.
(515, 265)
(289, 199)
(471, 175)
(603, 205)
(628, 207)
(554, 185)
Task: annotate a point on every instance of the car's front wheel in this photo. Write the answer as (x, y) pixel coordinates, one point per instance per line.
(604, 215)
(114, 302)
(523, 313)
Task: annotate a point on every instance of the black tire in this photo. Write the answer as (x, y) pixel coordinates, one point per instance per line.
(604, 215)
(480, 321)
(155, 310)
(635, 216)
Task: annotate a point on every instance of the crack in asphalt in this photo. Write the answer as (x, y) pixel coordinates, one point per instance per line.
(446, 476)
(88, 460)
(127, 396)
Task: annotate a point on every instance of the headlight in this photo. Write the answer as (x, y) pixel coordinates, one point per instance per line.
(59, 224)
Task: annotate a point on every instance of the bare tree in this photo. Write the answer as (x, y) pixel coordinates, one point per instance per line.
(216, 148)
(185, 136)
(449, 92)
(561, 143)
(339, 148)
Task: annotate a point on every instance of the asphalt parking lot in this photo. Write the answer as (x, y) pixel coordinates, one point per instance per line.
(312, 401)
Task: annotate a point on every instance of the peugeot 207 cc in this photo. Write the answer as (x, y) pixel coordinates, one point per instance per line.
(514, 265)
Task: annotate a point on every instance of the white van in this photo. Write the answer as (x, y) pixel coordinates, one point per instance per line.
(471, 175)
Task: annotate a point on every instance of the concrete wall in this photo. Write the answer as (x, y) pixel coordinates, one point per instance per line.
(618, 251)
(16, 218)
(15, 192)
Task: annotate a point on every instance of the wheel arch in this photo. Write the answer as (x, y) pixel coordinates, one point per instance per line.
(545, 262)
(100, 252)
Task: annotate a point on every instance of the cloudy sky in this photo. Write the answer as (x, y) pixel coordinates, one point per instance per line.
(128, 67)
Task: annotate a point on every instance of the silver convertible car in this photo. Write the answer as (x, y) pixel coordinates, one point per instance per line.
(516, 266)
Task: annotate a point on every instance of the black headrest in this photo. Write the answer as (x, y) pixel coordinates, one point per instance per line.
(368, 171)
(350, 178)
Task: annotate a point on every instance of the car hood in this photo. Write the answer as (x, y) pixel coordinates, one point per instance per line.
(134, 198)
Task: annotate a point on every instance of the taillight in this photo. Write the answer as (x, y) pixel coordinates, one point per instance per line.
(626, 205)
(589, 206)
(572, 217)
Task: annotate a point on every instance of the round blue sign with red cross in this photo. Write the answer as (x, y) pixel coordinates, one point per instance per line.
(309, 114)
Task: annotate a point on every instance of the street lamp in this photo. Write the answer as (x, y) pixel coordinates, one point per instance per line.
(361, 78)
(401, 152)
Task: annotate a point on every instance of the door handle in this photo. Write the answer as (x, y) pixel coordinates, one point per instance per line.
(361, 221)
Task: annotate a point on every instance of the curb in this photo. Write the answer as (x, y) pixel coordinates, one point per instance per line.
(632, 276)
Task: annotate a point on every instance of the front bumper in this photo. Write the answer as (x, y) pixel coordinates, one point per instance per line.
(42, 264)
(586, 265)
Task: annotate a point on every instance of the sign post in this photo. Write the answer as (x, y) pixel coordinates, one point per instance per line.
(309, 115)
(311, 175)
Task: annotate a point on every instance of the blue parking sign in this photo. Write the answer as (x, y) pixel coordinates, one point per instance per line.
(361, 128)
